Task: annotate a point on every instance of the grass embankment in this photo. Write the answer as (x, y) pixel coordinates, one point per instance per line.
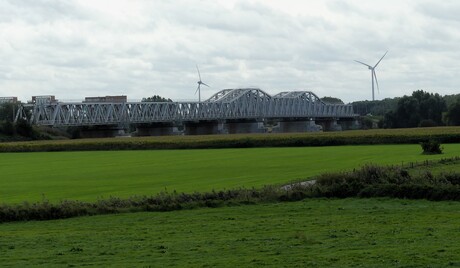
(358, 137)
(88, 176)
(310, 233)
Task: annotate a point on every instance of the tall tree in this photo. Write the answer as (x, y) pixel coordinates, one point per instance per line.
(156, 98)
(407, 112)
(431, 106)
(378, 107)
(7, 111)
(453, 113)
(332, 100)
(411, 111)
(451, 99)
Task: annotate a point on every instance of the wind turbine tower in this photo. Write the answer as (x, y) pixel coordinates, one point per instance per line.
(373, 75)
(198, 89)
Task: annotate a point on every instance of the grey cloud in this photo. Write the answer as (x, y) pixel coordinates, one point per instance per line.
(72, 51)
(38, 11)
(441, 10)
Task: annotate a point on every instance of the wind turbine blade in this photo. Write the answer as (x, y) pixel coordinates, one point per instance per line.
(198, 88)
(199, 75)
(363, 63)
(205, 84)
(380, 59)
(376, 81)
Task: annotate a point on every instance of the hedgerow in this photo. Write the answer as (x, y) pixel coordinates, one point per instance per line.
(362, 137)
(164, 201)
(396, 182)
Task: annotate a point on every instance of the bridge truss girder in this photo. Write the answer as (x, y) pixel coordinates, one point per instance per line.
(233, 104)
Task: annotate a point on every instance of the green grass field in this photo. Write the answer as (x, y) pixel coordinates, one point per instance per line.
(100, 174)
(310, 233)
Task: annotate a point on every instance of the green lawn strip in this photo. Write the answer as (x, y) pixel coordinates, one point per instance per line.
(92, 175)
(89, 176)
(310, 233)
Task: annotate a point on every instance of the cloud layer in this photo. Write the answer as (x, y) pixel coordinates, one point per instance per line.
(79, 48)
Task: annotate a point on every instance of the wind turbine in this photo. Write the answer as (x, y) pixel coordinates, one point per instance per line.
(198, 89)
(373, 75)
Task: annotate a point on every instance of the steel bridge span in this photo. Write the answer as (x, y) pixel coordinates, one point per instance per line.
(235, 108)
(228, 104)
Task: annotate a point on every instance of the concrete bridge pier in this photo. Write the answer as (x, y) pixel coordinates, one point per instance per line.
(101, 131)
(313, 127)
(297, 126)
(350, 124)
(201, 128)
(332, 125)
(222, 127)
(155, 129)
(245, 126)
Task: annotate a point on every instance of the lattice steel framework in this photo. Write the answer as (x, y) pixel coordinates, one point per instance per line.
(240, 103)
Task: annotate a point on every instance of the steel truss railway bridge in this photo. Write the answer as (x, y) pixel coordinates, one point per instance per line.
(232, 106)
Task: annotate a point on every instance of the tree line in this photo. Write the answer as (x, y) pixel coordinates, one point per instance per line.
(10, 130)
(421, 109)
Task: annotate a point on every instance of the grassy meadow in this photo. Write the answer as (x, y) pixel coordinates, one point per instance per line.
(309, 233)
(93, 175)
(315, 232)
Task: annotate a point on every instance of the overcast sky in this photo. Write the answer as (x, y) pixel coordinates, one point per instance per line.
(78, 48)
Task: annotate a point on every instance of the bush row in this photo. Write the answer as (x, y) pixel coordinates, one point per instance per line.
(369, 181)
(375, 181)
(164, 201)
(238, 141)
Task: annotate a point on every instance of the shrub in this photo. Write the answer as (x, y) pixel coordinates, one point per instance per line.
(367, 123)
(428, 123)
(453, 178)
(395, 182)
(24, 128)
(431, 147)
(7, 128)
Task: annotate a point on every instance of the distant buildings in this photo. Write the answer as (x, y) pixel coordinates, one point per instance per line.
(45, 99)
(51, 99)
(8, 100)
